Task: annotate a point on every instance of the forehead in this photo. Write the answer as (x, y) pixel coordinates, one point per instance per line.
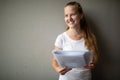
(70, 8)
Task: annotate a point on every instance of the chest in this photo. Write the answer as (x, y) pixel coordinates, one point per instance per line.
(74, 45)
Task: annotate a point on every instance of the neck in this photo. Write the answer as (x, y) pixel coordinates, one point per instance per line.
(74, 31)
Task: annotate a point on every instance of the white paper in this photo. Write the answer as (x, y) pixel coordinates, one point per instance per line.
(72, 59)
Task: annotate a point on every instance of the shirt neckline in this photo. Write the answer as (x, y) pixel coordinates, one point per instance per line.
(72, 39)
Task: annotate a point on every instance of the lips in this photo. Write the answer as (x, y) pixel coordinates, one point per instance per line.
(70, 22)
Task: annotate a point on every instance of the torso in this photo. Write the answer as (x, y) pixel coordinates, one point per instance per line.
(74, 44)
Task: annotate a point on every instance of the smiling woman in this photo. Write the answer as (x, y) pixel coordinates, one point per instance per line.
(77, 37)
(72, 17)
(28, 29)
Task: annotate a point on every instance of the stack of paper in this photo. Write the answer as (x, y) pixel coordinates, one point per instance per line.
(73, 59)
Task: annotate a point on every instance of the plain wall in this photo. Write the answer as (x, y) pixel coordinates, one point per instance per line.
(28, 29)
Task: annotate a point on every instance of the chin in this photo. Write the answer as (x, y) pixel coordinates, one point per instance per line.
(71, 26)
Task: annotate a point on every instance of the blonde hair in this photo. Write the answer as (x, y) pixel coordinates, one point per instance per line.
(90, 39)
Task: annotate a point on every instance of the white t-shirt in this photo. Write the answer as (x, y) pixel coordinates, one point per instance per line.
(66, 43)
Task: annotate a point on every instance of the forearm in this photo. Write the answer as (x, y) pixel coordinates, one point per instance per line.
(54, 64)
(59, 69)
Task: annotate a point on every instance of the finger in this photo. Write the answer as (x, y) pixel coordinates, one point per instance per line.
(68, 69)
(91, 65)
(62, 69)
(65, 70)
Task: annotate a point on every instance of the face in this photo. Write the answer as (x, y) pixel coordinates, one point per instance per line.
(72, 16)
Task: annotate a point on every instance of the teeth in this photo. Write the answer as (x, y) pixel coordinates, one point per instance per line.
(70, 22)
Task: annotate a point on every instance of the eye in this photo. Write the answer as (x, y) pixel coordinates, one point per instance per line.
(66, 15)
(73, 14)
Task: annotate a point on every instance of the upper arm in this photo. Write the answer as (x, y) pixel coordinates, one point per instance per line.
(56, 48)
(58, 43)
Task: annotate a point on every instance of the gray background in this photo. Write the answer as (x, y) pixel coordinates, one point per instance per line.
(28, 29)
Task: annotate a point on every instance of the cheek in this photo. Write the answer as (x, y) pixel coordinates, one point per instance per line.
(65, 19)
(77, 18)
(74, 17)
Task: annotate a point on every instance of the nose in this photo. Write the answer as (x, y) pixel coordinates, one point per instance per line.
(69, 18)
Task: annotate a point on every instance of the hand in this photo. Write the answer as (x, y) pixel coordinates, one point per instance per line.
(90, 65)
(63, 70)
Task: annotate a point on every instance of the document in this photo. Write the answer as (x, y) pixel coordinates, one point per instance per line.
(73, 59)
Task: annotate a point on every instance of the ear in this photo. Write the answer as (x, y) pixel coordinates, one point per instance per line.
(81, 16)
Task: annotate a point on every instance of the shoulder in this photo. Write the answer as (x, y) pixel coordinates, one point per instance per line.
(61, 36)
(60, 40)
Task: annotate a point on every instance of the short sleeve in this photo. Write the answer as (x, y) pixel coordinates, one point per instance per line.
(59, 41)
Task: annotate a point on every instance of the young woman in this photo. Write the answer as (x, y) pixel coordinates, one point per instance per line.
(77, 37)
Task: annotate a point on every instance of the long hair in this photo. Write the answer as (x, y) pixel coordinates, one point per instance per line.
(90, 39)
